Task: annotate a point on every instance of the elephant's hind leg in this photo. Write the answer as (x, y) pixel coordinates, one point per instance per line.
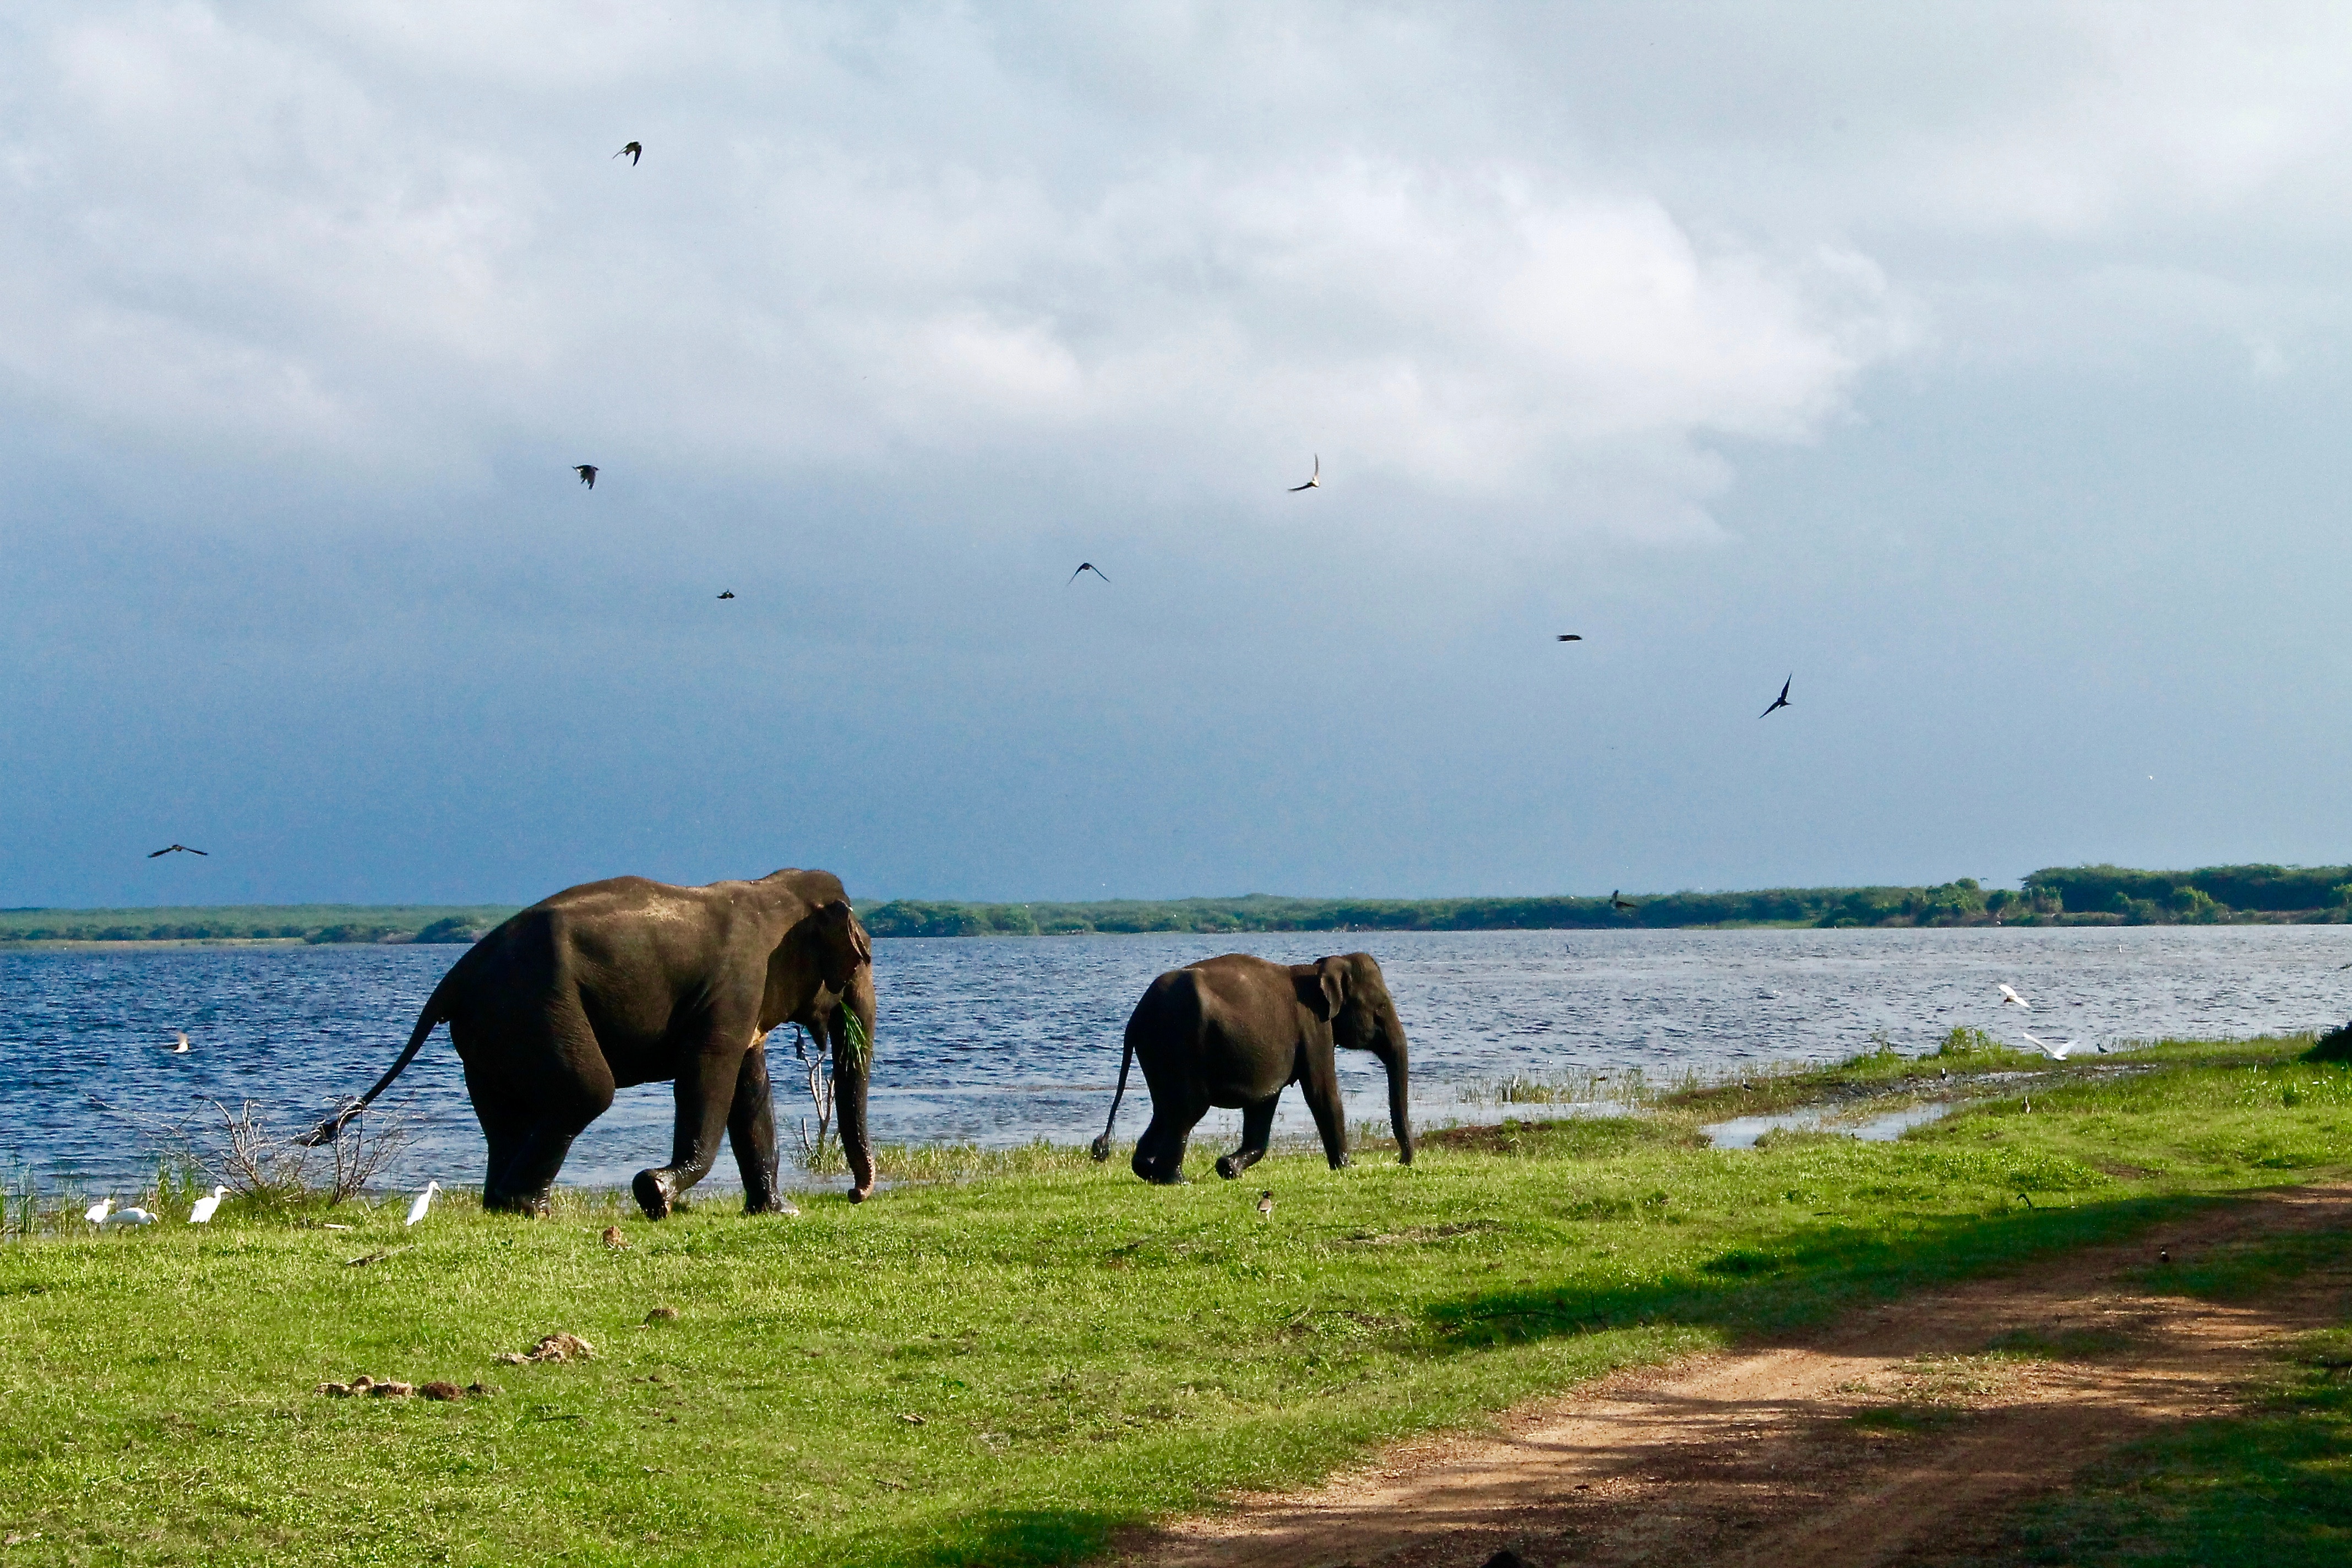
(1257, 1131)
(1159, 1153)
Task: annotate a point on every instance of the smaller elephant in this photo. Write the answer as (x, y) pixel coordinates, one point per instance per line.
(1235, 1031)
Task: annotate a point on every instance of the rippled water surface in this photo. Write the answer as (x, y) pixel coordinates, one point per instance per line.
(1000, 1041)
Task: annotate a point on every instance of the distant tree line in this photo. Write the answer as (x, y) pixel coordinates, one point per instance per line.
(2079, 895)
(317, 923)
(2073, 895)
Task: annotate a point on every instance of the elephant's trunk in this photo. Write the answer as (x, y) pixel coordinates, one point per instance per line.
(1394, 1059)
(853, 1069)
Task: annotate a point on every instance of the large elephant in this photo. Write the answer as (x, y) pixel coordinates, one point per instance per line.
(629, 980)
(1236, 1031)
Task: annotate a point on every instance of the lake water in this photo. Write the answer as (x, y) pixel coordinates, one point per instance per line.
(998, 1041)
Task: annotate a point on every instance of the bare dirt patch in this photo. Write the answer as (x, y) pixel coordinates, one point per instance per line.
(1891, 1437)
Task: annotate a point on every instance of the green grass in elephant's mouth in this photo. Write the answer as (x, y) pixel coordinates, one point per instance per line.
(1004, 1369)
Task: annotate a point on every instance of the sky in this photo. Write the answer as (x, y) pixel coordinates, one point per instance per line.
(1981, 369)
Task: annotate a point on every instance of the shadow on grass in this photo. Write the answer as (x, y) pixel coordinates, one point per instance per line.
(1816, 1271)
(1013, 1537)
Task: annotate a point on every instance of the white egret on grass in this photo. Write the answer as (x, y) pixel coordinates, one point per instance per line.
(2009, 995)
(424, 1202)
(202, 1211)
(96, 1214)
(128, 1217)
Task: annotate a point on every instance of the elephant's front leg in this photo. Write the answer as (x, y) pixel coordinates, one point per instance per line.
(705, 1094)
(1257, 1131)
(751, 1130)
(1320, 1082)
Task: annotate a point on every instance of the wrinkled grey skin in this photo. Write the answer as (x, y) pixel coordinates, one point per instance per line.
(629, 980)
(1235, 1031)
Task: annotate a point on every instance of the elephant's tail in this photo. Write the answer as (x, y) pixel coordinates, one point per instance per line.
(436, 1011)
(1102, 1149)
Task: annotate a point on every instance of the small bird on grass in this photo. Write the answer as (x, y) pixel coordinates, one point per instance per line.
(1265, 1204)
(182, 1049)
(201, 1212)
(613, 1238)
(1086, 566)
(1782, 700)
(2009, 995)
(176, 850)
(417, 1210)
(1314, 480)
(633, 152)
(2163, 1255)
(587, 472)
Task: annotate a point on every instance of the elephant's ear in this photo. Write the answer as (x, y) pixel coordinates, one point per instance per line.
(843, 942)
(1323, 987)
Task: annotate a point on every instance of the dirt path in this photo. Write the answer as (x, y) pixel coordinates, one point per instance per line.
(1757, 1456)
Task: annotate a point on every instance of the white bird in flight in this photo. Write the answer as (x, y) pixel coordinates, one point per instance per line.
(201, 1212)
(128, 1217)
(96, 1214)
(2057, 1051)
(180, 1050)
(2009, 995)
(424, 1202)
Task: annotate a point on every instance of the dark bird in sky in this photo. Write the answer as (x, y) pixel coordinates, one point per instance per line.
(633, 152)
(1782, 700)
(1617, 900)
(1314, 480)
(179, 848)
(728, 595)
(1086, 566)
(587, 472)
(1571, 636)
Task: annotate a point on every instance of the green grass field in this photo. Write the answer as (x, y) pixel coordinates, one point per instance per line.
(1004, 1369)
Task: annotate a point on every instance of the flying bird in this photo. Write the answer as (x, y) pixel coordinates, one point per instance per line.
(728, 594)
(587, 472)
(96, 1214)
(633, 152)
(1782, 700)
(2057, 1051)
(1086, 566)
(424, 1202)
(1265, 1203)
(1314, 480)
(2009, 995)
(128, 1217)
(202, 1211)
(1617, 900)
(182, 1049)
(175, 848)
(1571, 636)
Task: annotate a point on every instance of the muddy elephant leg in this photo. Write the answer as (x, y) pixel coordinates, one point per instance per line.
(705, 1094)
(531, 1111)
(1159, 1153)
(751, 1132)
(1257, 1131)
(1320, 1082)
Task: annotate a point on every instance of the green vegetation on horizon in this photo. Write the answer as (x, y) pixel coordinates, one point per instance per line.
(1006, 1369)
(2077, 894)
